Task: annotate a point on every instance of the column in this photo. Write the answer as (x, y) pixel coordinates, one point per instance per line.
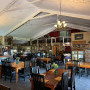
(37, 45)
(31, 45)
(3, 41)
(46, 41)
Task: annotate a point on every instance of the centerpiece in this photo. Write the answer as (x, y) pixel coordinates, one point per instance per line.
(55, 66)
(17, 60)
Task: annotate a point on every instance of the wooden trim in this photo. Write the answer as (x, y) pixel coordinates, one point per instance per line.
(79, 42)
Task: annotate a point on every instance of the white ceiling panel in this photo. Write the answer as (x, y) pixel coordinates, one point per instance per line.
(34, 27)
(31, 18)
(14, 16)
(4, 4)
(70, 6)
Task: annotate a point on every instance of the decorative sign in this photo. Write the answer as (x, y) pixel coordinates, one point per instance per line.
(78, 36)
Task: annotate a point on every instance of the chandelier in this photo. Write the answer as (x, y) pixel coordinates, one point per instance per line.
(60, 22)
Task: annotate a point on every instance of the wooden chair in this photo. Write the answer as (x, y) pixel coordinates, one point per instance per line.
(64, 83)
(71, 82)
(79, 70)
(3, 87)
(26, 70)
(52, 59)
(38, 62)
(35, 70)
(38, 82)
(3, 68)
(9, 72)
(48, 67)
(33, 62)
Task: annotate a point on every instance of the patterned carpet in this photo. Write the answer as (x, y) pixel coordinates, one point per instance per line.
(81, 84)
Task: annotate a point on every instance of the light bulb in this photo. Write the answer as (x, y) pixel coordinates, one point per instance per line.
(63, 22)
(55, 26)
(65, 25)
(58, 22)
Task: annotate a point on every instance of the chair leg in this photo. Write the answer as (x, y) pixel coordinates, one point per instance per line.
(29, 76)
(24, 78)
(11, 78)
(74, 85)
(71, 88)
(79, 74)
(5, 77)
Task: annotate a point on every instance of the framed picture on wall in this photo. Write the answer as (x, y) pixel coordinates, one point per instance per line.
(78, 36)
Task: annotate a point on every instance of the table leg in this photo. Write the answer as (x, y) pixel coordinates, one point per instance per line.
(66, 66)
(0, 71)
(16, 75)
(52, 88)
(47, 62)
(86, 72)
(31, 84)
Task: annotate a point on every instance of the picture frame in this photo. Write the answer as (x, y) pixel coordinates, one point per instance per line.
(78, 36)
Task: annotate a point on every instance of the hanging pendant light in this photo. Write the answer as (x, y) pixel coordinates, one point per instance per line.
(60, 23)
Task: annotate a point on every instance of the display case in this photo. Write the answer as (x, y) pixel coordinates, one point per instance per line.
(87, 55)
(77, 54)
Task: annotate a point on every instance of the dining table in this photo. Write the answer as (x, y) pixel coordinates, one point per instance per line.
(16, 67)
(82, 64)
(52, 79)
(45, 59)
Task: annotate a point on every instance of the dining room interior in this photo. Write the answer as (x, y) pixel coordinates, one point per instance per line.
(44, 45)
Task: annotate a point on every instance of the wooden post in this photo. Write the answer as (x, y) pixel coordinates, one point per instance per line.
(37, 45)
(31, 44)
(3, 41)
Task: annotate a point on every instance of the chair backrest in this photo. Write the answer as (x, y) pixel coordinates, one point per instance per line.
(81, 59)
(3, 67)
(3, 87)
(73, 76)
(32, 62)
(38, 82)
(52, 58)
(38, 62)
(8, 68)
(75, 63)
(3, 64)
(48, 67)
(26, 67)
(35, 70)
(29, 56)
(65, 76)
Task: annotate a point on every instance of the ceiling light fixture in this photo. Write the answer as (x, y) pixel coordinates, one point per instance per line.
(60, 23)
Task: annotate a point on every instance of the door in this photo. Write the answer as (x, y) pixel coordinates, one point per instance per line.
(56, 49)
(80, 54)
(74, 55)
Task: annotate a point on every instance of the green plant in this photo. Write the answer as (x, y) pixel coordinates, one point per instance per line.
(55, 66)
(18, 58)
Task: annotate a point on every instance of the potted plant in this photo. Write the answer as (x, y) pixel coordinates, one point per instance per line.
(55, 67)
(17, 60)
